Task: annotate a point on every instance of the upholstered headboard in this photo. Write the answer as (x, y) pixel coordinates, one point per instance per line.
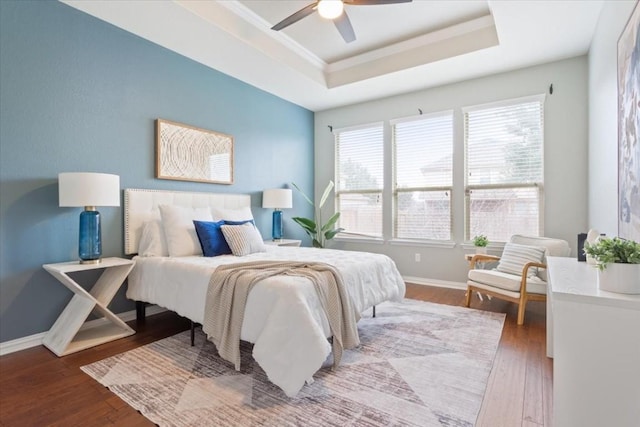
(142, 205)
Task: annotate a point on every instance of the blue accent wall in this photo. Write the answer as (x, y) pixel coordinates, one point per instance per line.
(80, 95)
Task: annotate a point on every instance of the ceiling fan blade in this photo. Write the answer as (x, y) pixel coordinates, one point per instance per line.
(374, 2)
(304, 12)
(343, 24)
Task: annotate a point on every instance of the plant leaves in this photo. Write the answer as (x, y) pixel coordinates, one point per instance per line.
(331, 222)
(316, 230)
(615, 250)
(326, 193)
(332, 233)
(303, 195)
(306, 223)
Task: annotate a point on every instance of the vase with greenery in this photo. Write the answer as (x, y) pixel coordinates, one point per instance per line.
(481, 242)
(618, 262)
(318, 231)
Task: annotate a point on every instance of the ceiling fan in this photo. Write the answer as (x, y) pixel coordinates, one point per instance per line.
(333, 10)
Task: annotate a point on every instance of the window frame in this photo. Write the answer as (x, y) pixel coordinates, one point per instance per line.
(396, 191)
(354, 235)
(469, 188)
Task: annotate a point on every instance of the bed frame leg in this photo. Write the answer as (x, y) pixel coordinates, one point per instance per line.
(140, 312)
(193, 333)
(374, 311)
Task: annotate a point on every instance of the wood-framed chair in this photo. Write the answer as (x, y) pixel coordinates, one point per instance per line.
(531, 282)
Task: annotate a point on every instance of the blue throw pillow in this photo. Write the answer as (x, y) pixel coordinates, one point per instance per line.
(211, 238)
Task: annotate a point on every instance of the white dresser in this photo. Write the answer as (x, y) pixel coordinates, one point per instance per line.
(594, 339)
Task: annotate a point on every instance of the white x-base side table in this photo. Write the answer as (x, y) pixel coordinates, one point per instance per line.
(67, 335)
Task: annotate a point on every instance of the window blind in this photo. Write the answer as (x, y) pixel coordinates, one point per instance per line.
(423, 176)
(360, 179)
(504, 168)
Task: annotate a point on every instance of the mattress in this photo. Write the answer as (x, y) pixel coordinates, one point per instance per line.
(283, 316)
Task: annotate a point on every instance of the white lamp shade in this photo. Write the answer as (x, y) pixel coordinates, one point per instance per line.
(88, 189)
(277, 198)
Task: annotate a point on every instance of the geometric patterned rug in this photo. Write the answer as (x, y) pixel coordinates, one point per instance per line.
(418, 364)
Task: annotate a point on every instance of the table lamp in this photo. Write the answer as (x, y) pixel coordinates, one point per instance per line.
(277, 198)
(89, 190)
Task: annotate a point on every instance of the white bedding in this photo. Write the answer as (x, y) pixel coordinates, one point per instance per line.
(283, 316)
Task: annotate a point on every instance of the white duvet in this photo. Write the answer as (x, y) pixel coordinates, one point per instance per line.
(283, 316)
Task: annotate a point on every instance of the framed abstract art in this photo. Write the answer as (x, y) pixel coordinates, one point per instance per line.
(188, 153)
(629, 129)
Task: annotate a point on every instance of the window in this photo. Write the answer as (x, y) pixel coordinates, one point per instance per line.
(360, 179)
(504, 168)
(423, 176)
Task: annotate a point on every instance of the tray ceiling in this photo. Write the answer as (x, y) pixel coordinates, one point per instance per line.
(399, 47)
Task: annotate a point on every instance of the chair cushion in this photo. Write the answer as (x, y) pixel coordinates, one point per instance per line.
(554, 247)
(515, 256)
(506, 281)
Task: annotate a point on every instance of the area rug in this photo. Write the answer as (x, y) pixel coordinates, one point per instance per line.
(419, 364)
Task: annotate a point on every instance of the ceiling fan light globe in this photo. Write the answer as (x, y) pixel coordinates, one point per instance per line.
(330, 9)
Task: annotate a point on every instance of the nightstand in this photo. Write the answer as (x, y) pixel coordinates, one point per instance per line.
(283, 242)
(67, 335)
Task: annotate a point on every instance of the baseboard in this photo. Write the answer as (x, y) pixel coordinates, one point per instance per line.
(435, 282)
(35, 340)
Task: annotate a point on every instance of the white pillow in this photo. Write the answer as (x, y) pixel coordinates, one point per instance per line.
(152, 241)
(177, 223)
(515, 256)
(243, 239)
(242, 214)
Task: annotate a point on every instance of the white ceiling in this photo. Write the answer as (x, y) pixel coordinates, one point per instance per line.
(399, 48)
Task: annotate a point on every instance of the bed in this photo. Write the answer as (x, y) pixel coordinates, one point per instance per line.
(283, 316)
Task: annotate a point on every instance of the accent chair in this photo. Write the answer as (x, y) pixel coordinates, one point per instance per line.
(520, 275)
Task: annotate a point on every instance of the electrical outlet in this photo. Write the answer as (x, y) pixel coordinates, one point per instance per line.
(417, 257)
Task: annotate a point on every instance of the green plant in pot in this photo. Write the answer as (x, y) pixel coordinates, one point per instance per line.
(618, 262)
(481, 242)
(318, 232)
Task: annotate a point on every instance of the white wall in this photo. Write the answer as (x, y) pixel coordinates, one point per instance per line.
(565, 208)
(603, 117)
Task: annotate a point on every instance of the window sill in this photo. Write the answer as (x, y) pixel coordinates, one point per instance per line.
(424, 243)
(493, 247)
(371, 240)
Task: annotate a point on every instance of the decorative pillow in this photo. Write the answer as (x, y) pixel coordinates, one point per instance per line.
(240, 222)
(152, 241)
(242, 214)
(211, 238)
(243, 239)
(177, 223)
(515, 256)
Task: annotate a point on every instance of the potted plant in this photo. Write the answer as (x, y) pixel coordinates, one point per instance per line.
(480, 242)
(618, 262)
(318, 232)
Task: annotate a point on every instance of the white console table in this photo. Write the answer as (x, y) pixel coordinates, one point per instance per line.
(594, 339)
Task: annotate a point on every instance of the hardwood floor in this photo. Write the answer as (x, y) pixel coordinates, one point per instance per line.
(39, 389)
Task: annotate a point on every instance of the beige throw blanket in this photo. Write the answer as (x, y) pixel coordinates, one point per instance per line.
(229, 288)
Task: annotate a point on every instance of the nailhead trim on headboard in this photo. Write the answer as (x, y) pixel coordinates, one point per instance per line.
(141, 205)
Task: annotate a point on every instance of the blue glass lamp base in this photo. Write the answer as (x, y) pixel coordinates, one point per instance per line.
(90, 241)
(276, 234)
